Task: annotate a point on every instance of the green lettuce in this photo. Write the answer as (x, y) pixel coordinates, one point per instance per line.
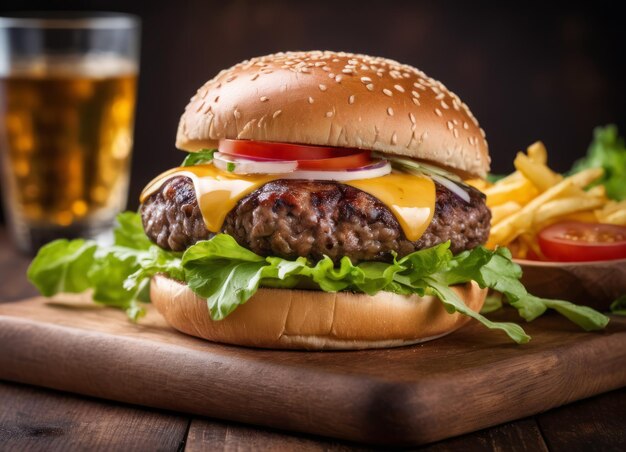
(227, 275)
(607, 151)
(199, 158)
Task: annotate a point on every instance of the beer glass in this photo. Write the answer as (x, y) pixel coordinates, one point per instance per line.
(67, 101)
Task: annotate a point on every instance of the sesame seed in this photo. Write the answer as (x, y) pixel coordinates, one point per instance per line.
(329, 114)
(439, 96)
(456, 133)
(331, 75)
(450, 125)
(456, 123)
(482, 132)
(412, 118)
(394, 138)
(322, 87)
(415, 94)
(338, 79)
(263, 99)
(310, 100)
(438, 112)
(305, 70)
(424, 136)
(366, 79)
(465, 125)
(254, 77)
(399, 88)
(237, 114)
(347, 71)
(444, 105)
(370, 86)
(390, 111)
(325, 68)
(416, 101)
(276, 114)
(351, 99)
(469, 139)
(387, 92)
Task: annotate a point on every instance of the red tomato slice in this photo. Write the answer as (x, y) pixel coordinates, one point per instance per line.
(574, 241)
(319, 158)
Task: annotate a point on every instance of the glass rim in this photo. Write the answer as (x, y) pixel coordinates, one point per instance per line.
(69, 20)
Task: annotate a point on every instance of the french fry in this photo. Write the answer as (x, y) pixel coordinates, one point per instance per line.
(498, 213)
(613, 206)
(564, 206)
(585, 177)
(520, 191)
(537, 153)
(617, 217)
(521, 221)
(539, 174)
(598, 191)
(478, 184)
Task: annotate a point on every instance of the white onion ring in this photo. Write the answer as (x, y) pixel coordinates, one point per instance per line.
(246, 166)
(453, 187)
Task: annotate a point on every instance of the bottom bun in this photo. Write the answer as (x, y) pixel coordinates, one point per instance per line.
(315, 320)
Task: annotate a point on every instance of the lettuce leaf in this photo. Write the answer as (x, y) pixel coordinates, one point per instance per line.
(607, 151)
(118, 275)
(227, 275)
(198, 158)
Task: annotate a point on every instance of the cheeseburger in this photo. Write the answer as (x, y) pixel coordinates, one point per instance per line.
(322, 205)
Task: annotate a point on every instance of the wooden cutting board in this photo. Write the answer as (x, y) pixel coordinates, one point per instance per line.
(469, 380)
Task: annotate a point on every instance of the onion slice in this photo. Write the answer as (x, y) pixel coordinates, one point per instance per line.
(452, 186)
(238, 165)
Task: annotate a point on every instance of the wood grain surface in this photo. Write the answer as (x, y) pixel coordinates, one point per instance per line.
(473, 379)
(56, 422)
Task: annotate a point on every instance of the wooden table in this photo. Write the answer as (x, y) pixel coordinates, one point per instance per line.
(37, 419)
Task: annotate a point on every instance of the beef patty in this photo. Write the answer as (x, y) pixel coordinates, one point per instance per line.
(292, 218)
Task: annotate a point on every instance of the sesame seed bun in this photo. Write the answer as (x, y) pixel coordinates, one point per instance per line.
(305, 319)
(336, 99)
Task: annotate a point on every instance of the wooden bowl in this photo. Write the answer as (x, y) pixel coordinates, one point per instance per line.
(594, 284)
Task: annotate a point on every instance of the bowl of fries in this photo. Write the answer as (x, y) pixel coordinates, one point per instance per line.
(534, 199)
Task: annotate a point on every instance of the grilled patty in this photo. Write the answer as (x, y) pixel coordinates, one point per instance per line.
(292, 218)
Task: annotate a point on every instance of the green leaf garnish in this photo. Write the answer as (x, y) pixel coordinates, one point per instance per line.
(198, 158)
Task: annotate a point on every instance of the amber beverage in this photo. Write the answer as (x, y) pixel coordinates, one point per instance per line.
(68, 139)
(66, 134)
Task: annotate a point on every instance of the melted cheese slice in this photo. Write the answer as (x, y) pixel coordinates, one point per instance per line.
(409, 197)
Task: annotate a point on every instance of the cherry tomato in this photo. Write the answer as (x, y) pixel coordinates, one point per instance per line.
(308, 157)
(574, 241)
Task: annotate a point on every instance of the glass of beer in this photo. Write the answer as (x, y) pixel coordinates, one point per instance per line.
(67, 103)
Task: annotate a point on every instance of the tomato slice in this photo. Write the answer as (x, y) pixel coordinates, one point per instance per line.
(308, 157)
(574, 241)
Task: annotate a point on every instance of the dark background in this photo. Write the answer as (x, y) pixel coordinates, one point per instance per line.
(528, 72)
